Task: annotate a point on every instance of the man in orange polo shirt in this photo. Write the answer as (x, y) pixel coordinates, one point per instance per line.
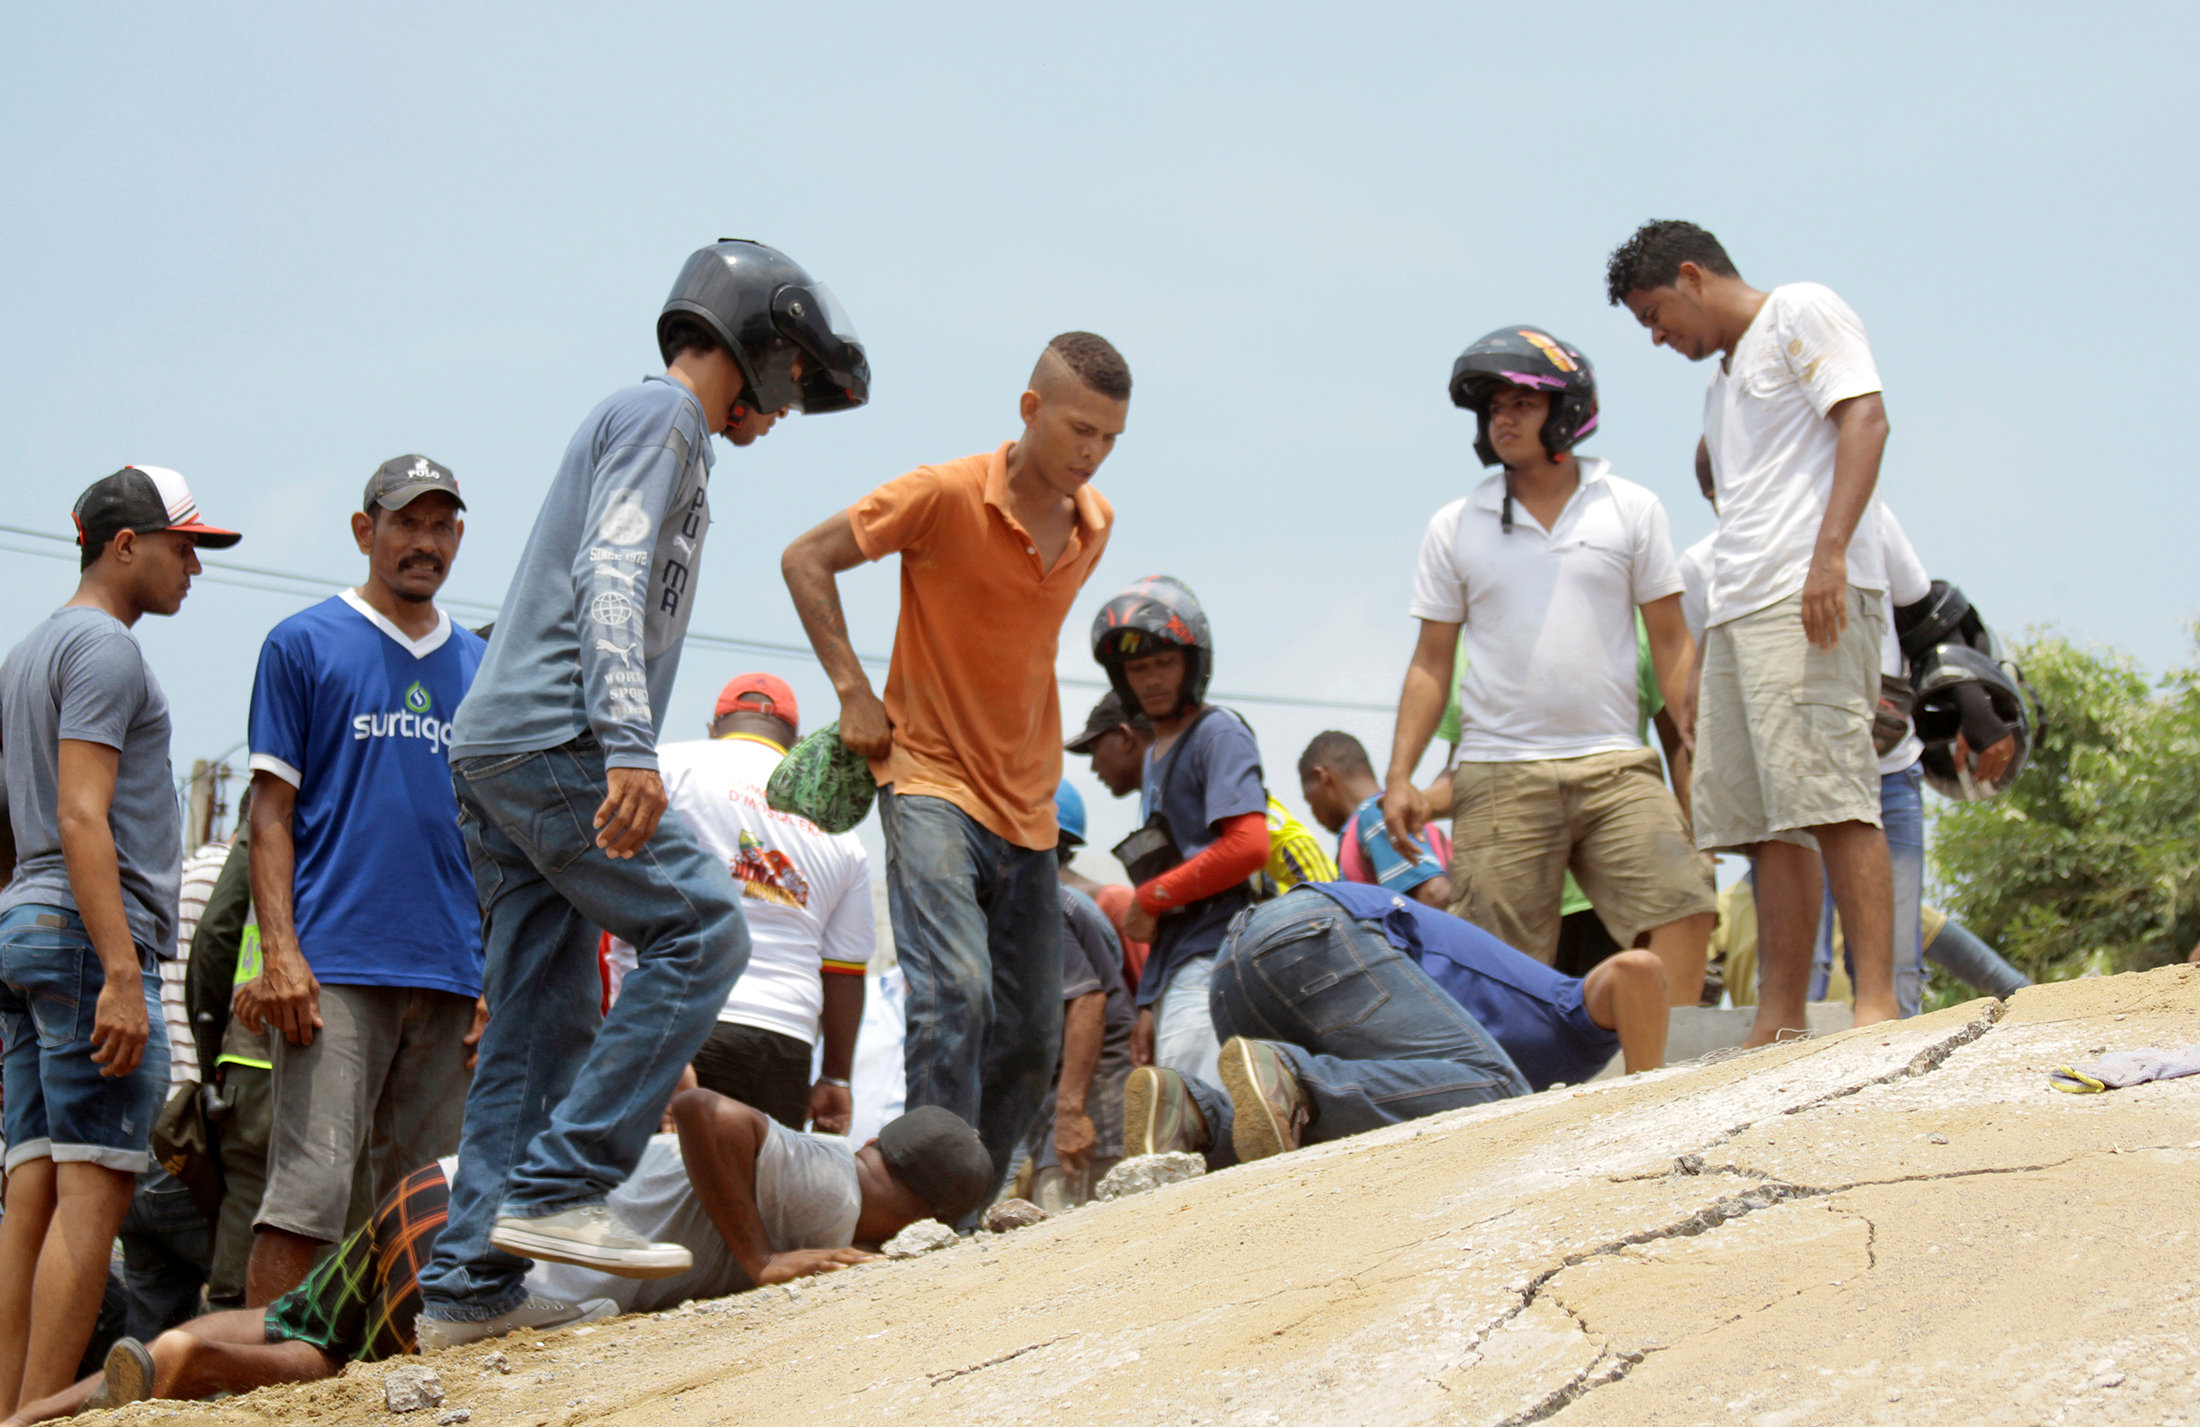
(967, 745)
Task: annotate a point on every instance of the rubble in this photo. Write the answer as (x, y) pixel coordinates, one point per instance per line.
(1012, 1214)
(921, 1237)
(1140, 1173)
(411, 1387)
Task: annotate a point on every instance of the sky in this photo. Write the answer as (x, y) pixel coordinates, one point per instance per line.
(273, 245)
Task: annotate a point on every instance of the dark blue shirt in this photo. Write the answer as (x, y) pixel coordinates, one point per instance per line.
(1534, 1012)
(1214, 773)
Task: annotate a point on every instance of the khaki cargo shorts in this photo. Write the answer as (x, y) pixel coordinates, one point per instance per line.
(1518, 827)
(1784, 731)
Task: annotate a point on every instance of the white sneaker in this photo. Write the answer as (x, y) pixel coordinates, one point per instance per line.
(593, 1237)
(545, 1314)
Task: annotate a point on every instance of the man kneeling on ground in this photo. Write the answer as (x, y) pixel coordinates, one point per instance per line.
(754, 1202)
(1348, 1007)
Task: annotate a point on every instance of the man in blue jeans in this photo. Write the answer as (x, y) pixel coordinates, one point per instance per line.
(1349, 1007)
(554, 760)
(93, 840)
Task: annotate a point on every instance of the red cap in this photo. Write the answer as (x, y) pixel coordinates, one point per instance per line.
(765, 693)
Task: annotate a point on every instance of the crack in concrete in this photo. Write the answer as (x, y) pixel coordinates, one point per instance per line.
(935, 1379)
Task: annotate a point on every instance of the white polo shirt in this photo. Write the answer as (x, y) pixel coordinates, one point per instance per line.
(1548, 616)
(806, 893)
(1764, 423)
(1696, 588)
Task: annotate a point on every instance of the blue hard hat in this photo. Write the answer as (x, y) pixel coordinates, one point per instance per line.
(1069, 813)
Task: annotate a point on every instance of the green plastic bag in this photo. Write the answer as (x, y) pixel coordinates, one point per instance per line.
(823, 780)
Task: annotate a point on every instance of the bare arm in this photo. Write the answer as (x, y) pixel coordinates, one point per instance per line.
(1679, 763)
(1420, 707)
(811, 565)
(285, 994)
(119, 1025)
(719, 1142)
(832, 1107)
(1861, 427)
(1673, 655)
(1435, 892)
(1084, 1026)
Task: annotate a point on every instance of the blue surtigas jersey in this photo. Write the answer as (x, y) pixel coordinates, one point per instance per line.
(356, 717)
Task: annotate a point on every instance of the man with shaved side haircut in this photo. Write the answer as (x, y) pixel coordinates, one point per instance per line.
(967, 743)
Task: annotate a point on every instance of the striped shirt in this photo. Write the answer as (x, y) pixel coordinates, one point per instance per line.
(200, 870)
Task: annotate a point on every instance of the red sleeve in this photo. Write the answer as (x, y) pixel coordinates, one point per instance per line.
(1237, 853)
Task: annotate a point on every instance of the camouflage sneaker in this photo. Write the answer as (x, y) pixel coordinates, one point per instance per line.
(1269, 1107)
(824, 780)
(1159, 1114)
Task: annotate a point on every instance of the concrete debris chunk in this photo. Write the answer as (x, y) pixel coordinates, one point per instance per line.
(453, 1417)
(1012, 1214)
(411, 1387)
(919, 1238)
(1140, 1173)
(497, 1363)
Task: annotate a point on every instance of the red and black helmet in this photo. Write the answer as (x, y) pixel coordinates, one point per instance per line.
(1159, 612)
(1532, 358)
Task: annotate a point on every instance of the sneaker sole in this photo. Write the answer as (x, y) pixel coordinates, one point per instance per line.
(1139, 1105)
(621, 1263)
(1254, 1132)
(433, 1335)
(127, 1376)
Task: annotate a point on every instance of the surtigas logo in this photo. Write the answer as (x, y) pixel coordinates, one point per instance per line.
(413, 722)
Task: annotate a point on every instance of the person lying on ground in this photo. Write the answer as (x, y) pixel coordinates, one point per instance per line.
(1348, 1007)
(754, 1202)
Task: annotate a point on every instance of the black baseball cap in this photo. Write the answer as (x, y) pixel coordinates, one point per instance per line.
(941, 1159)
(143, 499)
(397, 482)
(1107, 714)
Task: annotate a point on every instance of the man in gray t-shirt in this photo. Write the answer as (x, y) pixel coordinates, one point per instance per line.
(94, 842)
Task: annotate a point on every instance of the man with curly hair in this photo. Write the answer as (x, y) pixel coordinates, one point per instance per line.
(1793, 432)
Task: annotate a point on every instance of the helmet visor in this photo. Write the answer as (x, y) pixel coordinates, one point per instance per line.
(836, 373)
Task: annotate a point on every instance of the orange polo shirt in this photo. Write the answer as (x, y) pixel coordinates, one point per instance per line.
(971, 689)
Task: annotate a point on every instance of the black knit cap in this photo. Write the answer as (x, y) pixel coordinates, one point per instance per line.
(940, 1158)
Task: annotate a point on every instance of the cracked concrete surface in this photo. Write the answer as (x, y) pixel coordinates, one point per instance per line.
(1897, 1224)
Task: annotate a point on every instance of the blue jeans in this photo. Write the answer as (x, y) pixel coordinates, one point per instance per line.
(58, 1104)
(1372, 1040)
(1902, 813)
(564, 1099)
(1184, 1038)
(978, 930)
(167, 1248)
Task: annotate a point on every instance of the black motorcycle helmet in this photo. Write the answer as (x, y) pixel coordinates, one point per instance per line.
(1943, 615)
(1159, 612)
(767, 310)
(1965, 690)
(1527, 357)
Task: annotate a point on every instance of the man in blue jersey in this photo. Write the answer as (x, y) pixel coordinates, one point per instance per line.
(370, 939)
(1348, 1007)
(554, 759)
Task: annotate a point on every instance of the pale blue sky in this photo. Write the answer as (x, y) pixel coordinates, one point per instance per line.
(272, 245)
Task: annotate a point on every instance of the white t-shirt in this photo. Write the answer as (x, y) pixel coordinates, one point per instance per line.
(806, 1192)
(1696, 588)
(805, 892)
(1907, 583)
(1548, 616)
(1764, 423)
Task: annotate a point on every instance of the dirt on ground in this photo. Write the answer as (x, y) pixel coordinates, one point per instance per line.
(1896, 1224)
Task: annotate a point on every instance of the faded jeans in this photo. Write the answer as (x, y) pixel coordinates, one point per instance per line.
(1902, 813)
(1372, 1040)
(978, 931)
(1184, 1038)
(564, 1098)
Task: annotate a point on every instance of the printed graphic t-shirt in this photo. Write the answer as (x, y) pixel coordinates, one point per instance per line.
(805, 893)
(1213, 773)
(355, 715)
(81, 675)
(1365, 853)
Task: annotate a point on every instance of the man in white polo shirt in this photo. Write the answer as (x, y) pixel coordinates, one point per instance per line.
(807, 896)
(1793, 432)
(1545, 565)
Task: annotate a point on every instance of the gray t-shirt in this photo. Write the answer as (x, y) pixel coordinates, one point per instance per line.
(806, 1190)
(81, 675)
(1092, 960)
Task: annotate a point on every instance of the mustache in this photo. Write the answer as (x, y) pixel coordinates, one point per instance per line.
(428, 562)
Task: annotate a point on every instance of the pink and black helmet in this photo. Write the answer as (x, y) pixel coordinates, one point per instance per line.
(1527, 357)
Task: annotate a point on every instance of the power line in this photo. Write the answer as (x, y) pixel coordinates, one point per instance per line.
(254, 577)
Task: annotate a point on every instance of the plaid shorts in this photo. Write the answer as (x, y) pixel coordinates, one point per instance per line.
(361, 1302)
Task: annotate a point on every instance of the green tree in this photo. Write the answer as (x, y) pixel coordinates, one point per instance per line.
(2091, 860)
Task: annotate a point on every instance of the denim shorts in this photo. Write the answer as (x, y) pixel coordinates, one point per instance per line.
(58, 1104)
